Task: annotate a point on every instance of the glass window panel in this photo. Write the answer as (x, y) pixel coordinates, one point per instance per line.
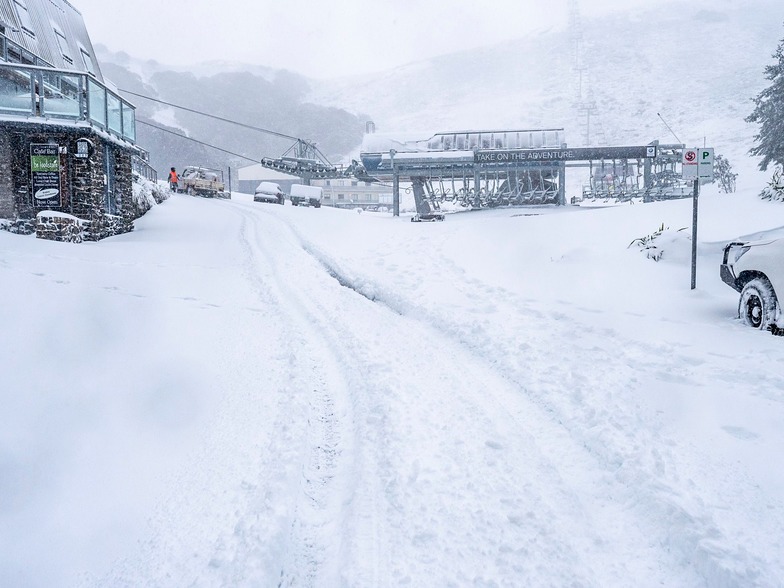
(96, 95)
(16, 95)
(88, 61)
(537, 139)
(129, 122)
(62, 43)
(24, 17)
(551, 139)
(61, 95)
(14, 54)
(114, 121)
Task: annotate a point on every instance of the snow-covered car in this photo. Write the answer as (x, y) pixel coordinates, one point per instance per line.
(269, 192)
(306, 195)
(756, 270)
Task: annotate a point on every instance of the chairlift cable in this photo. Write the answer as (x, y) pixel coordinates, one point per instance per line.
(234, 122)
(195, 140)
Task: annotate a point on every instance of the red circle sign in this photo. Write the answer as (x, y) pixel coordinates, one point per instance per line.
(690, 156)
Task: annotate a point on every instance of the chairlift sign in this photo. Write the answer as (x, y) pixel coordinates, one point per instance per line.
(495, 156)
(45, 175)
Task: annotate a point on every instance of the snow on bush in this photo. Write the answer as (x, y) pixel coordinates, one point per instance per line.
(775, 188)
(146, 194)
(653, 245)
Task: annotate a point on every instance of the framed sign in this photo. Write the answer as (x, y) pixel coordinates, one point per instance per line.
(45, 175)
(84, 148)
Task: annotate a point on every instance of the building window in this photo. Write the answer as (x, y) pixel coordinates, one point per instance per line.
(353, 183)
(14, 54)
(329, 182)
(62, 43)
(24, 17)
(88, 61)
(110, 198)
(341, 196)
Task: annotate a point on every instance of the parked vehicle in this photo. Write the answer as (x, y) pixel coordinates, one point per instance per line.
(756, 270)
(269, 192)
(202, 181)
(306, 195)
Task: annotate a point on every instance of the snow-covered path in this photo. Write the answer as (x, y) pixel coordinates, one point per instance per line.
(336, 399)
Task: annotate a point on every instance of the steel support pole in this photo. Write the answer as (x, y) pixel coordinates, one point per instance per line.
(694, 235)
(562, 184)
(396, 194)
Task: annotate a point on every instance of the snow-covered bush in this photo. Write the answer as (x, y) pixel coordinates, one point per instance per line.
(653, 244)
(775, 188)
(722, 174)
(146, 194)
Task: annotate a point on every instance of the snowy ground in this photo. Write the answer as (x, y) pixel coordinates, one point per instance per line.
(241, 394)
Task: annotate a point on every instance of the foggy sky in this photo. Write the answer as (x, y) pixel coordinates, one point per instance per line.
(321, 39)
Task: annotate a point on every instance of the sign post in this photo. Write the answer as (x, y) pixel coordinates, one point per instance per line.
(696, 197)
(697, 166)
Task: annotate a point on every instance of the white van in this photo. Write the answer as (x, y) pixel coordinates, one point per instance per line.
(269, 192)
(306, 195)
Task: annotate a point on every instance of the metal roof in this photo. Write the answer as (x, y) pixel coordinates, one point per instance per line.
(52, 30)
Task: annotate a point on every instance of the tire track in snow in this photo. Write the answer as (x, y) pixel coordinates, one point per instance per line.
(635, 471)
(507, 407)
(312, 556)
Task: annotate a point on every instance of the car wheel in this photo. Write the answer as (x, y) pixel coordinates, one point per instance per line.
(758, 304)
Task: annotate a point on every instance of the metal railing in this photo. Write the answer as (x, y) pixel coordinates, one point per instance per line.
(30, 92)
(144, 169)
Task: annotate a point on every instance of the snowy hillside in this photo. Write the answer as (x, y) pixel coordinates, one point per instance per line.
(698, 64)
(146, 68)
(240, 394)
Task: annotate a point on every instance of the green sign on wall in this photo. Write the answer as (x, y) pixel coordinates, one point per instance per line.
(45, 175)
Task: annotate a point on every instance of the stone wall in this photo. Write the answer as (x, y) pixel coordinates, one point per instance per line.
(84, 195)
(6, 178)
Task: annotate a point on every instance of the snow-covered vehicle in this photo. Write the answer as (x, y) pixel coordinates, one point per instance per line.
(202, 181)
(428, 217)
(306, 195)
(269, 192)
(756, 270)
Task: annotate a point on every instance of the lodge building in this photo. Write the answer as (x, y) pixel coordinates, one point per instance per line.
(67, 138)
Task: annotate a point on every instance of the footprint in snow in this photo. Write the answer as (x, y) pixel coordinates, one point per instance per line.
(740, 433)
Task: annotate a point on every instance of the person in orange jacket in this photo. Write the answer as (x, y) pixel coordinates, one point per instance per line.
(174, 180)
